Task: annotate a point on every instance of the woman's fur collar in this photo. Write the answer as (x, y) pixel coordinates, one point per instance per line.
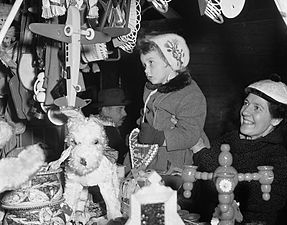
(175, 84)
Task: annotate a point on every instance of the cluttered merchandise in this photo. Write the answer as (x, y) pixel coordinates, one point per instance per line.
(34, 192)
(86, 186)
(68, 158)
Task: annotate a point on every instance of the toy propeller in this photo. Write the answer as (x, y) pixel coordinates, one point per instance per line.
(73, 35)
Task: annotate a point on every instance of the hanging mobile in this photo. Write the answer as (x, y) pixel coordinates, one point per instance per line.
(231, 8)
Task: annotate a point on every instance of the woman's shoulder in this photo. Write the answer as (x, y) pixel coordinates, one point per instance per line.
(230, 138)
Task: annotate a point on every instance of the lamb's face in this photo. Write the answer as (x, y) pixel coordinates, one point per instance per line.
(88, 132)
(85, 158)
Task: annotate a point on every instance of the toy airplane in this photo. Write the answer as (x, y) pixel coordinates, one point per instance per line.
(73, 35)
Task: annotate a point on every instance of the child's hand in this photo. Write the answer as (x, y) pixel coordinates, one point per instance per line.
(145, 135)
(150, 135)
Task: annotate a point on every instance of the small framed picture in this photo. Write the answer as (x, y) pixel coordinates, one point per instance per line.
(154, 204)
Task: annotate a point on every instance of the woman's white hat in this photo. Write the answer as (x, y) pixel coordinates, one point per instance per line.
(274, 89)
(174, 48)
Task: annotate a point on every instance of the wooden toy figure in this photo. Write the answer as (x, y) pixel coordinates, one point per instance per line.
(226, 178)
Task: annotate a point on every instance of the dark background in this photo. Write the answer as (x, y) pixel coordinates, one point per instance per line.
(225, 58)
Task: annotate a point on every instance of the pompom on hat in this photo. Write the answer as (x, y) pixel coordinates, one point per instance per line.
(174, 48)
(276, 90)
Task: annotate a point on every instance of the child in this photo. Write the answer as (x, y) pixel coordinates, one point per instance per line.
(174, 106)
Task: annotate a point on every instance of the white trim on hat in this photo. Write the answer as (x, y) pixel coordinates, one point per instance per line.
(174, 48)
(273, 89)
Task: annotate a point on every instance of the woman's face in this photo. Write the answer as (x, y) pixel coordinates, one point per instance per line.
(156, 69)
(255, 118)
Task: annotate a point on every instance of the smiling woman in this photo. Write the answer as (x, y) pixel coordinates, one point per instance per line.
(263, 108)
(255, 118)
(258, 142)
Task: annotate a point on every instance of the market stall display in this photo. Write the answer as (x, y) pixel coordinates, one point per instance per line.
(37, 201)
(154, 204)
(87, 166)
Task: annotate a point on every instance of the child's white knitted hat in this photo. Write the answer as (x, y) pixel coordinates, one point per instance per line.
(174, 48)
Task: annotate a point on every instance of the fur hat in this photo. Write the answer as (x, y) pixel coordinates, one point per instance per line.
(174, 48)
(274, 89)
